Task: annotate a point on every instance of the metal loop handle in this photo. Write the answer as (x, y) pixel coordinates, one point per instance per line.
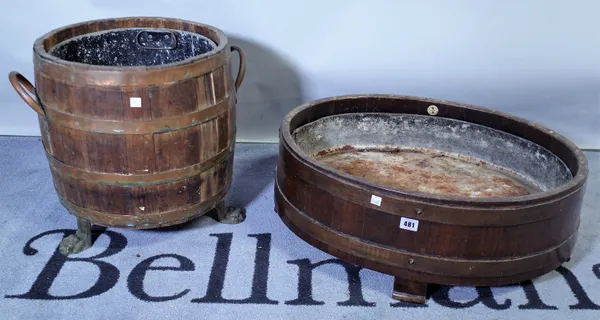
(25, 90)
(242, 67)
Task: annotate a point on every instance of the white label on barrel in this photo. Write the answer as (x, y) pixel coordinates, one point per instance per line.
(135, 102)
(409, 224)
(376, 200)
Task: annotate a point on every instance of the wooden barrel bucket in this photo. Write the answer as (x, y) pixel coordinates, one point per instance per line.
(429, 191)
(137, 117)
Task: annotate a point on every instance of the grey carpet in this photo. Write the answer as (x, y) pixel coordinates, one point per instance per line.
(204, 269)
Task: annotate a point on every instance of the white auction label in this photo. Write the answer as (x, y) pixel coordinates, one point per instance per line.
(376, 200)
(409, 224)
(135, 102)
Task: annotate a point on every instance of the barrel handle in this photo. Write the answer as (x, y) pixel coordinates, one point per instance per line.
(22, 86)
(242, 68)
(165, 35)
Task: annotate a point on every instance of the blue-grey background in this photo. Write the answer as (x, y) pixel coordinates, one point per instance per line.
(537, 59)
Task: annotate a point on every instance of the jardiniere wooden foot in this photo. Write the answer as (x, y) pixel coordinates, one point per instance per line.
(78, 242)
(409, 291)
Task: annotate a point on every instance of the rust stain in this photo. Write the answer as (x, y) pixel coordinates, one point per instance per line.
(427, 171)
(335, 150)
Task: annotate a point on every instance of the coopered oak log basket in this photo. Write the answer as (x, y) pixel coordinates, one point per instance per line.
(137, 117)
(429, 191)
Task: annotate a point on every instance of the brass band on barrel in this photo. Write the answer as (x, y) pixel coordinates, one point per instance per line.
(139, 126)
(117, 179)
(148, 220)
(420, 263)
(130, 76)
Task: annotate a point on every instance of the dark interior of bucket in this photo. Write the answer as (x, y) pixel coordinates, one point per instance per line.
(133, 47)
(432, 155)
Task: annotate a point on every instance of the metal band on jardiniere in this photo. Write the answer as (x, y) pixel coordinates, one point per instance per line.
(145, 221)
(418, 262)
(130, 180)
(59, 118)
(70, 73)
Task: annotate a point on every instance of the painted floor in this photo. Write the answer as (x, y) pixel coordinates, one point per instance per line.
(254, 270)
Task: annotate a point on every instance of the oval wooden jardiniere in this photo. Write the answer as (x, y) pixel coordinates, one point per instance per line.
(429, 191)
(137, 117)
